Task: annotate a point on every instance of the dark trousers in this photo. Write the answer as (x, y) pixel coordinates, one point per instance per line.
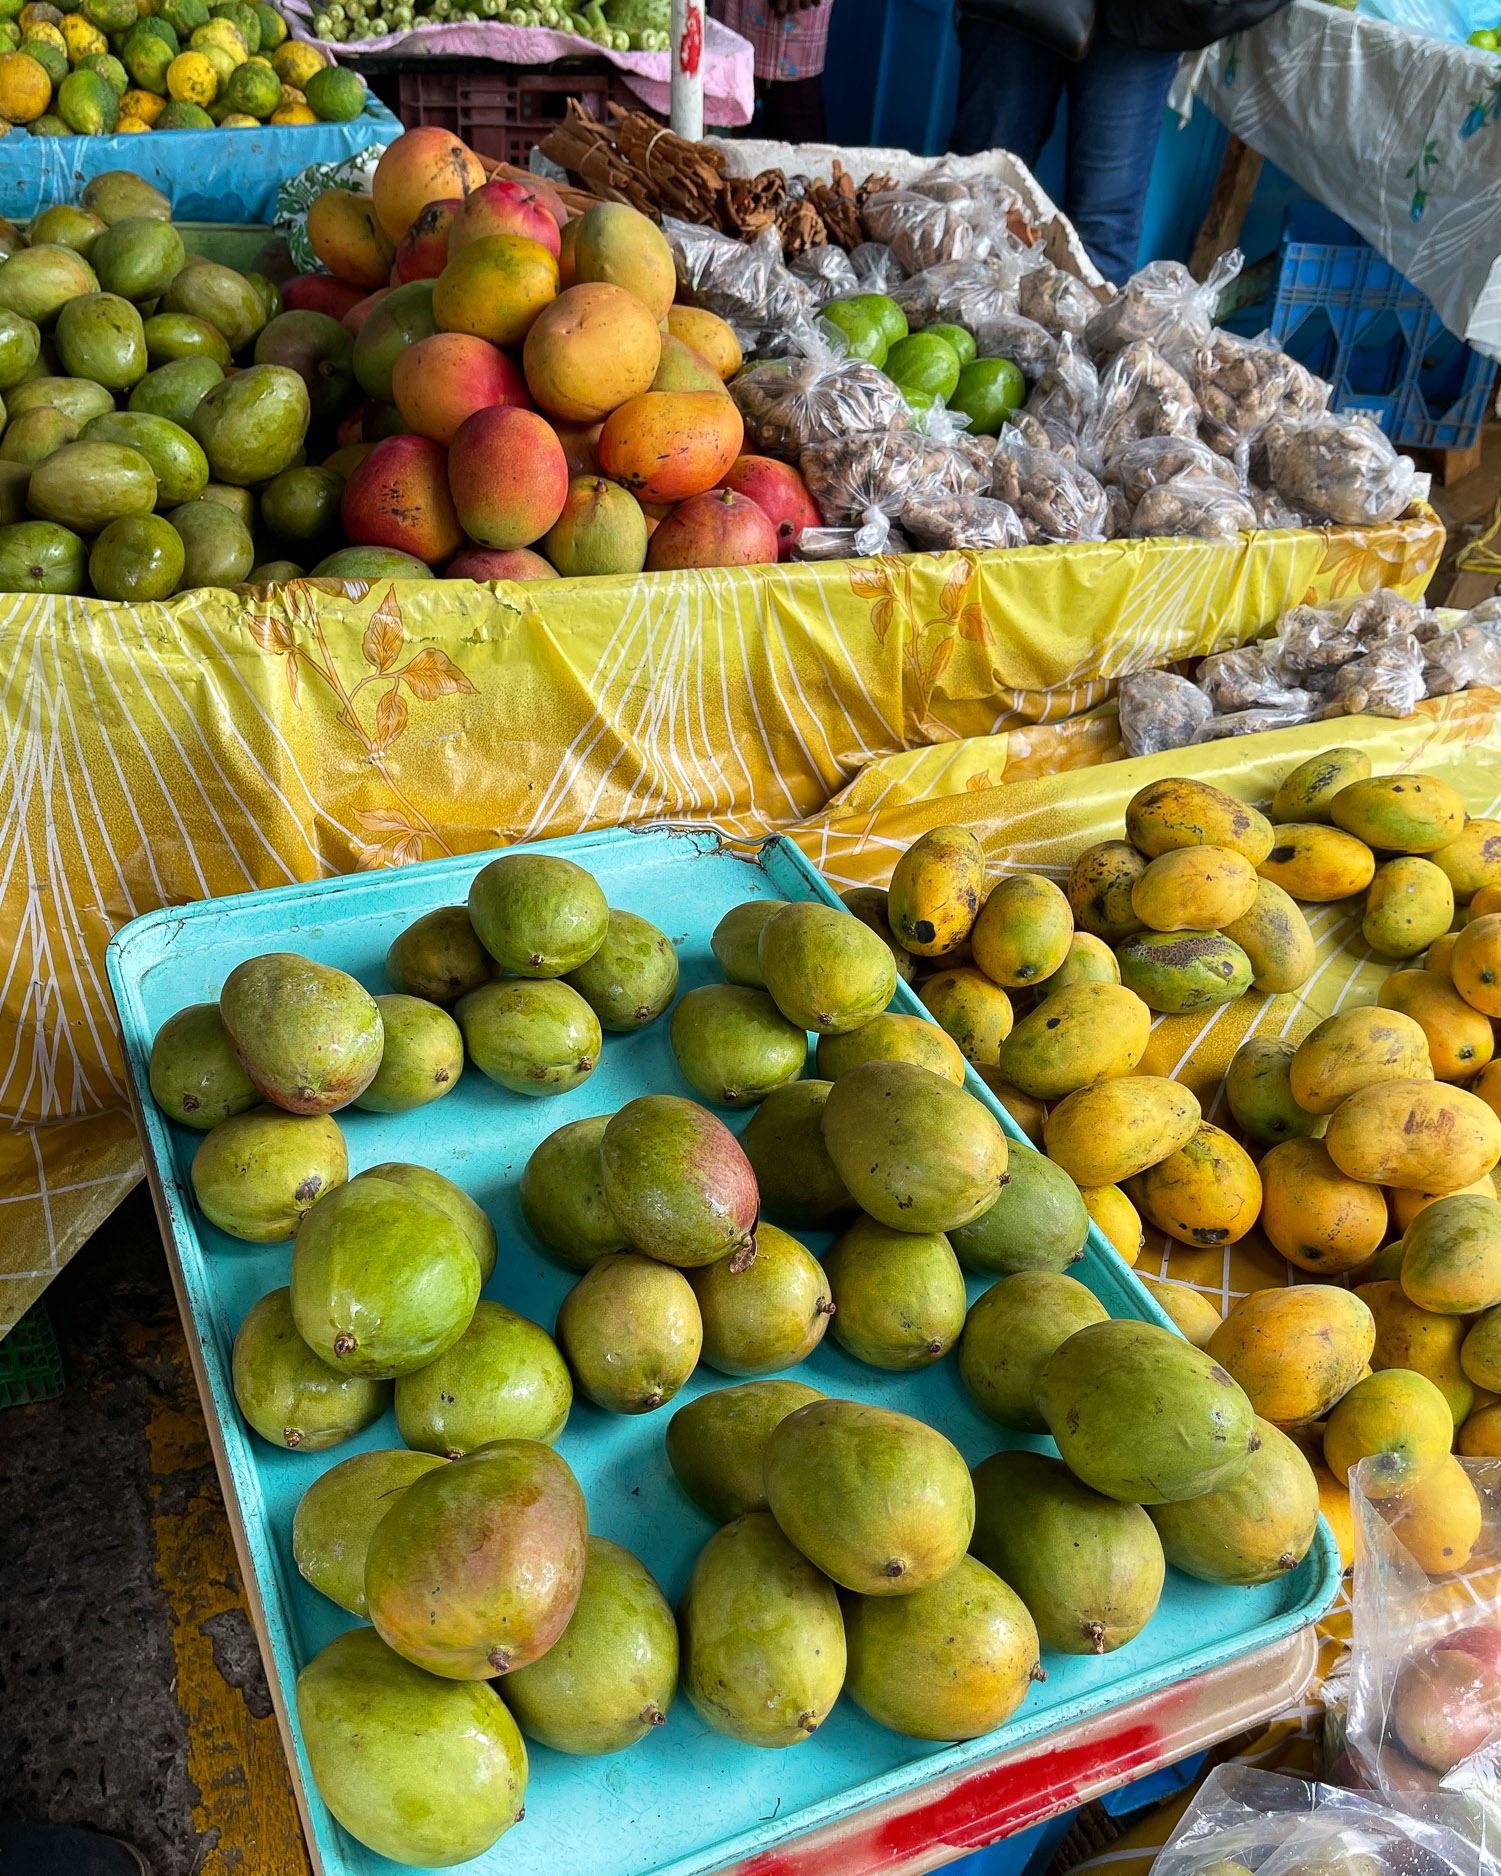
(791, 110)
(1009, 89)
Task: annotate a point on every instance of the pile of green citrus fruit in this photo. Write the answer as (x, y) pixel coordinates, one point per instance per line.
(938, 365)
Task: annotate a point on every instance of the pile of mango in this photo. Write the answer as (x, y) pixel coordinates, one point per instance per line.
(94, 67)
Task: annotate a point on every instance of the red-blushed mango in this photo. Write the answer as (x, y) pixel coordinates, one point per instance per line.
(1295, 1351)
(489, 563)
(426, 165)
(1356, 1049)
(1460, 1039)
(1318, 864)
(1400, 813)
(508, 476)
(422, 252)
(1194, 889)
(1438, 1520)
(1207, 1193)
(667, 445)
(399, 498)
(716, 529)
(618, 245)
(1100, 885)
(935, 892)
(1409, 904)
(1414, 1133)
(1397, 1417)
(590, 350)
(1274, 935)
(709, 336)
(444, 378)
(1451, 1255)
(580, 447)
(1474, 860)
(1306, 791)
(1105, 1134)
(1178, 812)
(1117, 1218)
(1475, 963)
(345, 233)
(320, 293)
(681, 369)
(354, 317)
(1022, 932)
(1408, 1336)
(495, 288)
(1314, 1215)
(502, 207)
(777, 488)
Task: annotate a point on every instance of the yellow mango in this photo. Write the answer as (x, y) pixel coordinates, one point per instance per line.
(1023, 930)
(1409, 904)
(1475, 963)
(1480, 1352)
(1090, 961)
(1296, 1350)
(1092, 1032)
(1480, 1436)
(1410, 1337)
(1318, 864)
(1486, 901)
(1414, 1133)
(1099, 889)
(973, 1010)
(1405, 1204)
(1396, 1417)
(1440, 954)
(891, 1037)
(1207, 1193)
(1460, 1040)
(1355, 1049)
(1189, 1309)
(935, 891)
(1400, 813)
(1025, 1109)
(1314, 1215)
(1274, 935)
(1194, 889)
(1182, 813)
(1253, 1530)
(1258, 1089)
(1487, 1086)
(1438, 1519)
(1334, 1507)
(1111, 1131)
(1474, 860)
(1116, 1217)
(1451, 1255)
(1307, 790)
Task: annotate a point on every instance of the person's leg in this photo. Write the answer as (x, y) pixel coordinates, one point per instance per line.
(792, 110)
(1116, 95)
(1009, 87)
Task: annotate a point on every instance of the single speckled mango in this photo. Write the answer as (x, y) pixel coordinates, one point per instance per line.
(1140, 1415)
(892, 1038)
(1189, 1310)
(1182, 813)
(1438, 1520)
(951, 1661)
(259, 1173)
(971, 1009)
(734, 1046)
(1258, 1088)
(1473, 861)
(88, 485)
(1092, 1032)
(1207, 1193)
(736, 940)
(309, 1036)
(252, 425)
(899, 1299)
(878, 1501)
(632, 977)
(337, 1515)
(1414, 1133)
(502, 1380)
(535, 1038)
(826, 971)
(1406, 1202)
(768, 1316)
(471, 1218)
(1314, 1215)
(538, 915)
(678, 1182)
(763, 1652)
(1089, 961)
(716, 1445)
(1089, 1568)
(632, 1332)
(1416, 1339)
(1440, 954)
(421, 1059)
(1106, 1134)
(1181, 973)
(563, 1195)
(1480, 1436)
(99, 336)
(382, 1279)
(1100, 885)
(1252, 1530)
(1475, 963)
(1460, 1039)
(1116, 1218)
(196, 1077)
(1023, 930)
(935, 891)
(1400, 813)
(1274, 935)
(1296, 1350)
(1410, 903)
(439, 957)
(1451, 1256)
(1307, 791)
(477, 1567)
(1194, 889)
(1356, 1049)
(1008, 1336)
(1480, 1353)
(1024, 1110)
(610, 1677)
(287, 1394)
(1396, 1417)
(870, 905)
(914, 1151)
(1039, 1222)
(783, 1140)
(1318, 864)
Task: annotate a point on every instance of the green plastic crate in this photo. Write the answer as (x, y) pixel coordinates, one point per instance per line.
(31, 1364)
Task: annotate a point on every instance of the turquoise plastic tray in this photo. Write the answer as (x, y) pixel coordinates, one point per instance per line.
(686, 1801)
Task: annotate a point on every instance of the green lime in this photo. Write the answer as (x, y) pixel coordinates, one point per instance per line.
(9, 9)
(918, 400)
(989, 389)
(883, 310)
(336, 94)
(52, 61)
(242, 15)
(862, 337)
(137, 558)
(107, 66)
(154, 23)
(1485, 39)
(146, 56)
(273, 26)
(254, 89)
(962, 341)
(110, 16)
(184, 16)
(924, 363)
(49, 124)
(182, 116)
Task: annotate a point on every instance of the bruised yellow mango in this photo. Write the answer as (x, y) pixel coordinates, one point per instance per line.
(1460, 1040)
(1475, 964)
(1274, 935)
(1400, 813)
(1354, 1049)
(1100, 884)
(1440, 955)
(1474, 860)
(1296, 1350)
(1409, 904)
(1090, 961)
(1398, 1418)
(1092, 1032)
(1438, 1519)
(935, 891)
(1181, 973)
(1117, 1218)
(1183, 813)
(1194, 889)
(1318, 864)
(1414, 1133)
(1188, 1309)
(1314, 1215)
(1405, 1204)
(1451, 1255)
(1025, 1109)
(1307, 790)
(1480, 1436)
(1022, 933)
(1480, 1352)
(975, 1012)
(1410, 1337)
(1207, 1193)
(1258, 1089)
(1486, 901)
(1110, 1132)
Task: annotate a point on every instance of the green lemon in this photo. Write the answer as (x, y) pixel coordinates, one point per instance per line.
(88, 103)
(49, 124)
(924, 363)
(962, 341)
(180, 116)
(107, 66)
(1485, 39)
(336, 94)
(110, 16)
(53, 62)
(882, 309)
(989, 389)
(862, 337)
(273, 26)
(147, 55)
(254, 89)
(243, 17)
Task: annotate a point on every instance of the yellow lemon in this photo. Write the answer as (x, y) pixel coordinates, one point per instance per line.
(25, 88)
(126, 122)
(80, 37)
(237, 120)
(192, 79)
(294, 114)
(295, 63)
(52, 36)
(145, 105)
(38, 13)
(222, 33)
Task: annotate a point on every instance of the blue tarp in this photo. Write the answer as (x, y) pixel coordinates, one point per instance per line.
(208, 175)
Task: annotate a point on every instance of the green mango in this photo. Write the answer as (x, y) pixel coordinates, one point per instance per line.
(302, 505)
(176, 389)
(563, 1195)
(1039, 1222)
(40, 281)
(88, 485)
(337, 1515)
(1259, 1093)
(716, 1445)
(535, 1038)
(892, 1037)
(899, 1298)
(239, 501)
(733, 1045)
(371, 563)
(611, 1675)
(217, 548)
(1180, 973)
(80, 398)
(137, 559)
(736, 940)
(253, 424)
(632, 977)
(439, 957)
(41, 557)
(1011, 1331)
(224, 299)
(471, 1218)
(287, 1394)
(139, 257)
(678, 1183)
(35, 435)
(276, 573)
(310, 1036)
(99, 336)
(170, 336)
(20, 346)
(825, 970)
(181, 466)
(64, 226)
(631, 1330)
(1253, 1530)
(421, 1060)
(196, 1077)
(869, 905)
(502, 1380)
(258, 1173)
(783, 1140)
(116, 194)
(768, 1316)
(537, 915)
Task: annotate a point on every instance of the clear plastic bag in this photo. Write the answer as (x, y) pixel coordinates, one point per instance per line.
(1273, 512)
(1030, 347)
(1343, 468)
(1379, 615)
(1148, 460)
(846, 543)
(1118, 514)
(866, 480)
(788, 403)
(966, 293)
(744, 282)
(1053, 500)
(826, 273)
(918, 230)
(876, 268)
(1068, 390)
(1163, 305)
(1314, 639)
(1141, 394)
(1160, 710)
(1460, 659)
(1263, 717)
(1191, 503)
(1386, 682)
(937, 522)
(1055, 299)
(1242, 384)
(1250, 677)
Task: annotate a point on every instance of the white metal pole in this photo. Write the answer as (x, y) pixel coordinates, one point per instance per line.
(687, 56)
